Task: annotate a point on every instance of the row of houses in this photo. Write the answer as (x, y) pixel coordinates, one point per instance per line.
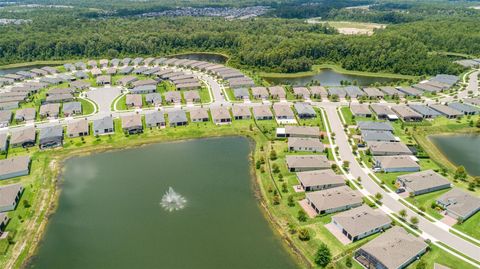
(136, 100)
(11, 78)
(414, 112)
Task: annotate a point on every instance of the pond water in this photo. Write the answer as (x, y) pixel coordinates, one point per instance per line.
(110, 213)
(207, 57)
(329, 77)
(460, 150)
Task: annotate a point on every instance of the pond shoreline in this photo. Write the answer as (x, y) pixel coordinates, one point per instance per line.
(57, 162)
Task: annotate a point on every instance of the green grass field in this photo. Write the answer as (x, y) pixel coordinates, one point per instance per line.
(471, 226)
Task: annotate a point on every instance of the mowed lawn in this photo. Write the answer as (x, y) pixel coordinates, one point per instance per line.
(426, 200)
(471, 226)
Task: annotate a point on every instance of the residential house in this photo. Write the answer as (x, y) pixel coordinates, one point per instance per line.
(51, 136)
(384, 112)
(283, 112)
(155, 119)
(301, 92)
(334, 199)
(173, 97)
(199, 115)
(375, 126)
(373, 93)
(305, 144)
(103, 126)
(406, 113)
(132, 124)
(459, 204)
(394, 249)
(220, 115)
(305, 110)
(22, 137)
(361, 110)
(241, 112)
(299, 131)
(377, 136)
(144, 89)
(425, 111)
(399, 163)
(5, 118)
(337, 91)
(353, 91)
(319, 92)
(262, 112)
(447, 111)
(277, 92)
(299, 163)
(391, 91)
(3, 142)
(10, 196)
(127, 80)
(319, 180)
(104, 80)
(410, 91)
(361, 222)
(49, 110)
(260, 92)
(79, 85)
(388, 148)
(153, 99)
(14, 167)
(134, 100)
(144, 82)
(423, 182)
(240, 93)
(78, 128)
(464, 108)
(191, 96)
(72, 108)
(177, 118)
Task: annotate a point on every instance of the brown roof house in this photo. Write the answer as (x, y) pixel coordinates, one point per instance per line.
(259, 93)
(459, 204)
(221, 115)
(241, 112)
(334, 199)
(199, 115)
(299, 163)
(49, 110)
(319, 180)
(132, 124)
(134, 100)
(388, 148)
(77, 128)
(423, 182)
(283, 113)
(305, 144)
(401, 163)
(360, 222)
(298, 131)
(277, 92)
(10, 196)
(22, 137)
(394, 249)
(191, 96)
(14, 167)
(262, 112)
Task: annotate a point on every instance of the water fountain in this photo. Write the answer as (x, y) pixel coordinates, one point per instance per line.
(172, 201)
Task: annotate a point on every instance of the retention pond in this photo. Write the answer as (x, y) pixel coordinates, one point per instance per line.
(111, 215)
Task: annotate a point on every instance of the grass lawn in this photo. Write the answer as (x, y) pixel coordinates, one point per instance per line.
(437, 255)
(426, 200)
(471, 226)
(122, 103)
(347, 115)
(87, 107)
(204, 95)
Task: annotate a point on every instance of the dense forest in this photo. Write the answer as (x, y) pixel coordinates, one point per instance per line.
(406, 46)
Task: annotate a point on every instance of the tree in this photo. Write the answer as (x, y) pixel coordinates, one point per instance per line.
(348, 262)
(290, 201)
(378, 196)
(460, 173)
(276, 199)
(275, 168)
(421, 265)
(323, 255)
(303, 234)
(403, 213)
(273, 155)
(414, 220)
(302, 216)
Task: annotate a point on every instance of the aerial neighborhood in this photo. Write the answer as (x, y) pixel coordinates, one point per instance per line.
(320, 137)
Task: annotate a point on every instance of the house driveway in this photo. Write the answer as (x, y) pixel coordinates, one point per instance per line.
(449, 220)
(104, 97)
(337, 233)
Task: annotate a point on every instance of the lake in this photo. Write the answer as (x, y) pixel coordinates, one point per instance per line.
(329, 77)
(460, 150)
(207, 57)
(109, 213)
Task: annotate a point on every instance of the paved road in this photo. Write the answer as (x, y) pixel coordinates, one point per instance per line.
(433, 231)
(104, 97)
